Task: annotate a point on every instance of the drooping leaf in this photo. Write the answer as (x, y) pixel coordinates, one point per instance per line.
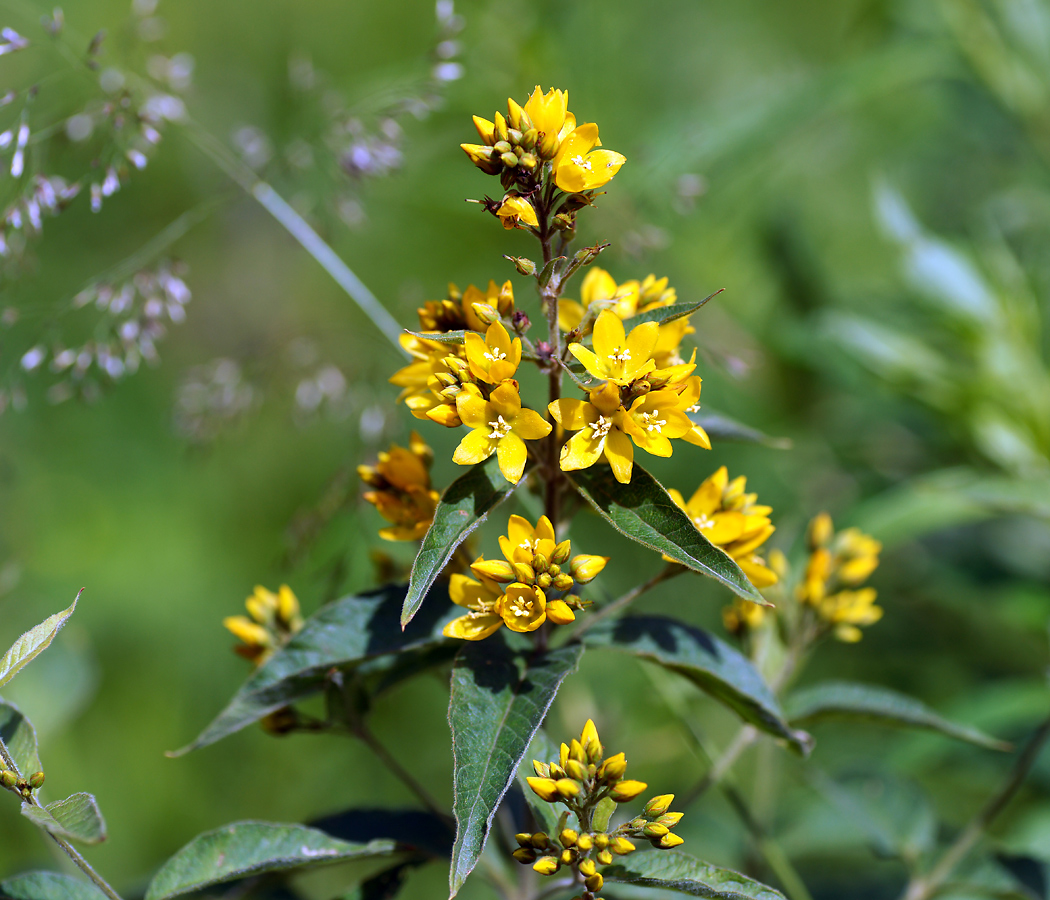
(77, 818)
(48, 886)
(31, 644)
(664, 314)
(850, 700)
(462, 508)
(344, 633)
(498, 701)
(19, 736)
(248, 848)
(711, 664)
(645, 512)
(671, 870)
(723, 428)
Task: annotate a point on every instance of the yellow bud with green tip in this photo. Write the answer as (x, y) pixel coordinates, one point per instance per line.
(546, 865)
(658, 805)
(627, 790)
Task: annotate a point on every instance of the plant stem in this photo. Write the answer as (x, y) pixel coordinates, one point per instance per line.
(924, 887)
(362, 731)
(625, 600)
(67, 848)
(745, 737)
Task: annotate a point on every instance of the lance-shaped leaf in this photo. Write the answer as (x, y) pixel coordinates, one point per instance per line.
(344, 633)
(499, 698)
(77, 818)
(664, 314)
(712, 665)
(645, 512)
(462, 508)
(674, 871)
(34, 642)
(441, 337)
(723, 428)
(48, 886)
(850, 700)
(249, 848)
(19, 736)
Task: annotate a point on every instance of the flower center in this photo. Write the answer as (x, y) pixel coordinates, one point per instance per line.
(500, 428)
(652, 423)
(581, 162)
(623, 355)
(695, 408)
(703, 522)
(495, 355)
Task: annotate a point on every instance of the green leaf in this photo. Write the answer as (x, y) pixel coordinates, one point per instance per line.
(850, 700)
(645, 512)
(248, 848)
(498, 700)
(48, 886)
(462, 508)
(34, 642)
(664, 314)
(384, 884)
(77, 818)
(442, 337)
(676, 871)
(542, 749)
(19, 736)
(344, 633)
(711, 664)
(723, 428)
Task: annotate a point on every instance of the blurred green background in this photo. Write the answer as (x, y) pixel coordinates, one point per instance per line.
(867, 179)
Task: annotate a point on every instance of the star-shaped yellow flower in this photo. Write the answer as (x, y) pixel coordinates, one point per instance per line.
(578, 167)
(617, 356)
(501, 426)
(516, 208)
(482, 599)
(523, 607)
(496, 358)
(522, 542)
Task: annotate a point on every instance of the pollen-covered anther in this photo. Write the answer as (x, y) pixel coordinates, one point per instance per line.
(500, 428)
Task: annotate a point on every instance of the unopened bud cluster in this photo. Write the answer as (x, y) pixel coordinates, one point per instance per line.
(274, 618)
(21, 786)
(584, 780)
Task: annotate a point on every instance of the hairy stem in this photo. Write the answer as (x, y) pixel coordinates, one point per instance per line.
(924, 887)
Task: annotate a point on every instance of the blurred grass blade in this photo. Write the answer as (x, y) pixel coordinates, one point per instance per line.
(250, 848)
(498, 701)
(19, 736)
(645, 512)
(48, 886)
(723, 428)
(674, 871)
(344, 633)
(77, 818)
(850, 700)
(34, 642)
(712, 665)
(463, 507)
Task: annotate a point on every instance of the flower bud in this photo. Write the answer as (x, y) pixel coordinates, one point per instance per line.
(621, 846)
(529, 138)
(546, 865)
(540, 841)
(567, 787)
(561, 552)
(539, 562)
(563, 581)
(613, 768)
(487, 314)
(502, 147)
(544, 581)
(514, 136)
(520, 321)
(587, 867)
(497, 569)
(524, 573)
(510, 161)
(541, 769)
(529, 161)
(820, 531)
(670, 819)
(524, 855)
(523, 265)
(627, 790)
(576, 751)
(558, 611)
(658, 805)
(524, 839)
(8, 778)
(668, 841)
(576, 770)
(655, 830)
(568, 837)
(567, 856)
(584, 568)
(36, 780)
(605, 857)
(594, 882)
(545, 788)
(601, 840)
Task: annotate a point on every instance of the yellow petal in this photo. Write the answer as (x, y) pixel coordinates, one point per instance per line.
(620, 453)
(473, 627)
(474, 448)
(530, 425)
(609, 336)
(558, 611)
(512, 456)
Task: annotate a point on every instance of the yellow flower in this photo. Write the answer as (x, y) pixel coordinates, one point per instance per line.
(617, 356)
(848, 609)
(550, 116)
(482, 599)
(403, 494)
(522, 542)
(602, 428)
(457, 311)
(501, 426)
(743, 615)
(523, 607)
(274, 619)
(515, 208)
(689, 402)
(732, 521)
(577, 167)
(496, 358)
(657, 418)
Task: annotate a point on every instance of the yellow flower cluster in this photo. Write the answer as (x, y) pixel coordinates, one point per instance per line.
(838, 564)
(637, 402)
(402, 491)
(519, 146)
(274, 618)
(733, 521)
(524, 589)
(582, 780)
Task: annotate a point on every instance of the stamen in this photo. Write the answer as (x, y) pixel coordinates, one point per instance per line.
(500, 429)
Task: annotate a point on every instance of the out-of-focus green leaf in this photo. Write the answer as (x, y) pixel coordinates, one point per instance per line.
(48, 886)
(544, 750)
(645, 512)
(414, 830)
(248, 848)
(77, 818)
(462, 508)
(34, 642)
(723, 428)
(850, 700)
(1029, 835)
(676, 871)
(19, 736)
(712, 665)
(499, 698)
(344, 633)
(385, 884)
